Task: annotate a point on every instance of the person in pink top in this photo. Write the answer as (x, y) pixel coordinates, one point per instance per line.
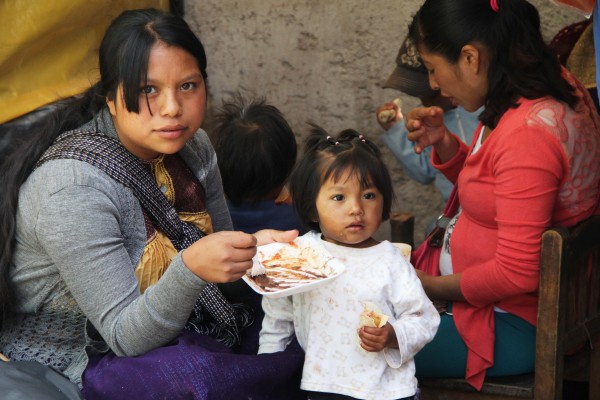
(534, 163)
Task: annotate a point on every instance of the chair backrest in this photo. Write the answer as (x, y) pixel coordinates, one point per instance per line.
(569, 309)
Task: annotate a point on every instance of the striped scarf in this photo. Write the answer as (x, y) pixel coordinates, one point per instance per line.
(212, 314)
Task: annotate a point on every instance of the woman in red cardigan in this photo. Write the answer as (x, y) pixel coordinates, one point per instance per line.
(534, 163)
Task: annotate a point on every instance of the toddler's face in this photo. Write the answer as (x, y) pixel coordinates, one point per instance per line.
(348, 214)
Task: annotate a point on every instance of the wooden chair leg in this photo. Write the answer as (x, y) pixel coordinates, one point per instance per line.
(402, 226)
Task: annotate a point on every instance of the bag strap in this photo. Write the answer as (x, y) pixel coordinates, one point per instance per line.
(435, 238)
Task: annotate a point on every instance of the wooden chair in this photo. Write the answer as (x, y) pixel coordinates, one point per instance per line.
(568, 325)
(402, 228)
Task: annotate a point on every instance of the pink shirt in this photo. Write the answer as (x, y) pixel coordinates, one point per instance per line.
(540, 167)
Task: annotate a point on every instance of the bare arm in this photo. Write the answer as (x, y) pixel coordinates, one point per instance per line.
(445, 287)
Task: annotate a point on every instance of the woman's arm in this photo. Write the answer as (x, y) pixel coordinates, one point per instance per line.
(426, 128)
(417, 166)
(81, 229)
(446, 288)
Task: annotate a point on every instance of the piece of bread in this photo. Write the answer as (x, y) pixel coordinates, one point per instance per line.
(372, 316)
(388, 115)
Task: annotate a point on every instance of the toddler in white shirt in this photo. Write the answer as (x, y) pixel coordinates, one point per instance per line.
(342, 190)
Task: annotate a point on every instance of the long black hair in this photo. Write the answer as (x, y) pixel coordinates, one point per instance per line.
(520, 62)
(123, 60)
(351, 152)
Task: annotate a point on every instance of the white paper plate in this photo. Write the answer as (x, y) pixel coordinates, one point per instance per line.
(318, 257)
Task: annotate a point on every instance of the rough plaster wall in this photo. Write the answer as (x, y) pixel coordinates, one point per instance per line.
(323, 61)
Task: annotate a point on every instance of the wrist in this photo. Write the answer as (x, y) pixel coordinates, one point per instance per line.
(447, 147)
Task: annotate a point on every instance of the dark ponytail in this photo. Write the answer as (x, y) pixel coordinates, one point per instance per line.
(520, 62)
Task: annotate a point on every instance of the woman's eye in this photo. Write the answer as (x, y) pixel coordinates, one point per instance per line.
(337, 197)
(148, 89)
(188, 86)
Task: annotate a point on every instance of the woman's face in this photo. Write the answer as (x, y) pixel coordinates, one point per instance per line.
(175, 108)
(348, 214)
(464, 83)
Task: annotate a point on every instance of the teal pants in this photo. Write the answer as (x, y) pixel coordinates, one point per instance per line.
(446, 355)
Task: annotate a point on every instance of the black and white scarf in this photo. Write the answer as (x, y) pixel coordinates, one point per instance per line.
(213, 314)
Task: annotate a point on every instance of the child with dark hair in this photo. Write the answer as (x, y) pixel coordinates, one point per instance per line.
(256, 151)
(343, 191)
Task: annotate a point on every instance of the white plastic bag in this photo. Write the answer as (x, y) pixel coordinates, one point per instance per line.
(584, 7)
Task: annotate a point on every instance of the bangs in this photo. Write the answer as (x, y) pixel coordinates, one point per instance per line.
(352, 164)
(135, 68)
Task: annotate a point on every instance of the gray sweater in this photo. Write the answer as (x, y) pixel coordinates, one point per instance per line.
(80, 235)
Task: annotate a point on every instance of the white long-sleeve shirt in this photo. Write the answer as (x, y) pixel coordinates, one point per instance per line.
(325, 321)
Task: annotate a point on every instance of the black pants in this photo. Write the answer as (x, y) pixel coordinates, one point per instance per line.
(335, 396)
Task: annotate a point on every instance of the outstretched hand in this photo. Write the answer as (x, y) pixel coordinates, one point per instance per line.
(425, 126)
(376, 339)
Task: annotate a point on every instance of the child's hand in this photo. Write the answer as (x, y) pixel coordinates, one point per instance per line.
(389, 114)
(376, 339)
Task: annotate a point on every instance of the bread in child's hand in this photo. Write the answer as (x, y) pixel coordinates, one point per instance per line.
(371, 316)
(388, 115)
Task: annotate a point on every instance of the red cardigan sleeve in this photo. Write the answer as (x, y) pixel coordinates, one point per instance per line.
(527, 166)
(452, 167)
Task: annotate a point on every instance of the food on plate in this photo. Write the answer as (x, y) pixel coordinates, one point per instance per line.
(372, 316)
(292, 265)
(388, 115)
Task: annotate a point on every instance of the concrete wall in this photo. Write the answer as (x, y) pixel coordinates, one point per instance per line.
(323, 61)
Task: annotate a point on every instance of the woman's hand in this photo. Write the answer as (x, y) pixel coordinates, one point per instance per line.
(376, 339)
(225, 256)
(426, 127)
(222, 256)
(266, 236)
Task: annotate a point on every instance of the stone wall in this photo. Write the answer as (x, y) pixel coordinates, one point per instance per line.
(322, 61)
